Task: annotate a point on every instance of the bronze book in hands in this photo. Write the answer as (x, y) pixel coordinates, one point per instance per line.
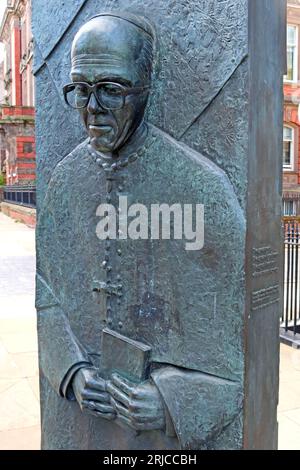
(125, 356)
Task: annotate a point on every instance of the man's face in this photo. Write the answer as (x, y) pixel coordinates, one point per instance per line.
(110, 129)
(109, 49)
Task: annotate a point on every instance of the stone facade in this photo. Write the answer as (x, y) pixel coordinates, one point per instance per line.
(17, 142)
(2, 89)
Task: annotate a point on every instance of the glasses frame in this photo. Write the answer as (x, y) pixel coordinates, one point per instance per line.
(92, 89)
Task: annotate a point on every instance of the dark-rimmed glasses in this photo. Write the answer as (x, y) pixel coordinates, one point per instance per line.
(109, 95)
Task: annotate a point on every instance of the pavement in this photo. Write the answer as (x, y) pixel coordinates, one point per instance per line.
(19, 385)
(289, 399)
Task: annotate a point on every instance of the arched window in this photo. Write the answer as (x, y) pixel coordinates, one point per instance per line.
(288, 147)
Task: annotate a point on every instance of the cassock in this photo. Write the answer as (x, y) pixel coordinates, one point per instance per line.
(186, 305)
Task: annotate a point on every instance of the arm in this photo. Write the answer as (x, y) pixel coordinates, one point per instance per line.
(193, 406)
(64, 361)
(200, 406)
(61, 356)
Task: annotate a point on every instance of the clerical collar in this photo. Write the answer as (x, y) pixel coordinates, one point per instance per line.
(134, 148)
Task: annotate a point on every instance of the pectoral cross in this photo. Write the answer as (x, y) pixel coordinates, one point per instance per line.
(108, 288)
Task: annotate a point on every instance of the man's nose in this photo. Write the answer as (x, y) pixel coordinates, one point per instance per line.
(93, 106)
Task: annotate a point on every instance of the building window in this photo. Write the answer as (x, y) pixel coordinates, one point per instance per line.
(28, 147)
(288, 147)
(289, 208)
(292, 54)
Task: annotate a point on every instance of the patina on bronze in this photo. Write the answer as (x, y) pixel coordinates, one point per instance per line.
(127, 357)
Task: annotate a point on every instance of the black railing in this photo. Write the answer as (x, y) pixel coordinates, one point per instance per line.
(290, 319)
(20, 195)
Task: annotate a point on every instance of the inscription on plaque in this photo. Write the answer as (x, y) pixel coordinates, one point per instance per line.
(265, 297)
(265, 261)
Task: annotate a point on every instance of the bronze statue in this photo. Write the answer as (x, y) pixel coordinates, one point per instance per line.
(149, 302)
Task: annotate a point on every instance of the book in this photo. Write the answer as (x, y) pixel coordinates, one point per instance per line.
(125, 356)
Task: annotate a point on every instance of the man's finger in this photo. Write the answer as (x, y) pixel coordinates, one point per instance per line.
(96, 384)
(140, 419)
(122, 410)
(96, 406)
(97, 414)
(123, 384)
(118, 394)
(96, 396)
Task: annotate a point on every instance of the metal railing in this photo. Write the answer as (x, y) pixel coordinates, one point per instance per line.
(290, 319)
(20, 195)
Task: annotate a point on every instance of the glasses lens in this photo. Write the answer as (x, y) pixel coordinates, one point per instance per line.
(77, 95)
(110, 95)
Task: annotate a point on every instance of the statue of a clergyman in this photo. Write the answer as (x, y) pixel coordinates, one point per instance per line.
(133, 354)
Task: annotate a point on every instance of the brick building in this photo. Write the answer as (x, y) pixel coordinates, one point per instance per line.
(291, 129)
(17, 143)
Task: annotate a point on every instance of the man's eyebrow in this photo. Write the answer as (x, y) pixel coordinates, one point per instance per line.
(121, 80)
(103, 78)
(77, 78)
(113, 78)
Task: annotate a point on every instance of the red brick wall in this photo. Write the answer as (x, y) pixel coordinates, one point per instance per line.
(291, 179)
(22, 214)
(17, 84)
(17, 117)
(291, 118)
(16, 111)
(25, 159)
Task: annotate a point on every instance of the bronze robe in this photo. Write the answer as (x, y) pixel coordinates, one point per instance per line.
(178, 302)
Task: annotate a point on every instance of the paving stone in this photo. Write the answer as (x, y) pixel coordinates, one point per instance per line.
(21, 439)
(19, 407)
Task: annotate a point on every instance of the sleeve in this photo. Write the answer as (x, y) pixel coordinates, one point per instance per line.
(61, 355)
(199, 406)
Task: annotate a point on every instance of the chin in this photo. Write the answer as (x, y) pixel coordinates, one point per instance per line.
(102, 145)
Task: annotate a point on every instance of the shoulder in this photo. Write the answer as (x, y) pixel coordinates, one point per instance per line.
(185, 164)
(187, 158)
(73, 158)
(66, 174)
(73, 163)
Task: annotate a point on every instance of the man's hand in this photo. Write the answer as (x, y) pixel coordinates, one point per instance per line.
(91, 395)
(138, 406)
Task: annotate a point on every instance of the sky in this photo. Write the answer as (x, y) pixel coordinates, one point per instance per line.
(2, 8)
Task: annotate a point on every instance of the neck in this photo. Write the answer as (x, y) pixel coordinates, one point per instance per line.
(134, 142)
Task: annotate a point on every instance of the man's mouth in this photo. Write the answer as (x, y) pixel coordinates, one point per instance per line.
(99, 129)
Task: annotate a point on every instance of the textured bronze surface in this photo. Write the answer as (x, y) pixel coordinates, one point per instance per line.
(189, 132)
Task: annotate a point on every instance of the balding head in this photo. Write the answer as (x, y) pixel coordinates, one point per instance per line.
(123, 44)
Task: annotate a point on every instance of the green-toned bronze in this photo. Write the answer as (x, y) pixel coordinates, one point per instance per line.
(142, 342)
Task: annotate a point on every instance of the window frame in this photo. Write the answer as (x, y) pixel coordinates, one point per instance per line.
(289, 204)
(296, 54)
(292, 150)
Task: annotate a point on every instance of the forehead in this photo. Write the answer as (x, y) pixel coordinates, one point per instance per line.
(97, 73)
(107, 47)
(107, 34)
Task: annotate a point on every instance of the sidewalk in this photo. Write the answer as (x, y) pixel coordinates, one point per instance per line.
(289, 399)
(19, 388)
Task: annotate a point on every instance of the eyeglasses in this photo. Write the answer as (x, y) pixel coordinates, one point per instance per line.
(109, 95)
